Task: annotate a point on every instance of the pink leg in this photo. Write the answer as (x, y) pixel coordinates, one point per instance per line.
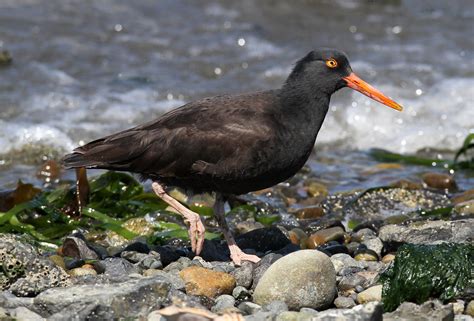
(196, 228)
(236, 254)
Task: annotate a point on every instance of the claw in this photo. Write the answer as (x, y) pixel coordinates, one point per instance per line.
(237, 255)
(196, 233)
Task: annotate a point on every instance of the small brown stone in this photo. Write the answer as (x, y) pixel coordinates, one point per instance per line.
(465, 208)
(312, 212)
(324, 236)
(388, 258)
(298, 236)
(463, 197)
(209, 283)
(439, 181)
(406, 184)
(58, 260)
(315, 189)
(88, 266)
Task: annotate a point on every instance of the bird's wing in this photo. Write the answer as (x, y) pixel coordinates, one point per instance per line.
(209, 137)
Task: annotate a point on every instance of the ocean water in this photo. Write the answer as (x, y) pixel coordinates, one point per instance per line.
(83, 69)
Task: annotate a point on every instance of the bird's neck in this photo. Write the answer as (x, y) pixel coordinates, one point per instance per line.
(306, 105)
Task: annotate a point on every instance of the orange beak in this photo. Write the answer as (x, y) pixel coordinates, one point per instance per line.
(354, 82)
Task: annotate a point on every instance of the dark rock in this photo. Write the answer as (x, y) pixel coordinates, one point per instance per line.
(263, 240)
(430, 310)
(244, 274)
(333, 248)
(215, 250)
(262, 266)
(167, 254)
(290, 248)
(139, 247)
(72, 263)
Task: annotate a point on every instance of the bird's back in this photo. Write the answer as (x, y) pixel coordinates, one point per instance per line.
(230, 143)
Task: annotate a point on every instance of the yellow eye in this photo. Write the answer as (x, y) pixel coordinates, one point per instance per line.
(331, 63)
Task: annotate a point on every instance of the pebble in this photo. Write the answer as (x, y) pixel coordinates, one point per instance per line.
(371, 294)
(209, 283)
(248, 308)
(81, 271)
(58, 260)
(341, 261)
(350, 282)
(465, 208)
(388, 258)
(241, 293)
(315, 189)
(243, 275)
(439, 181)
(308, 213)
(77, 248)
(247, 226)
(463, 197)
(366, 255)
(223, 303)
(458, 306)
(343, 302)
(406, 184)
(324, 236)
(298, 237)
(363, 234)
(374, 244)
(470, 308)
(305, 278)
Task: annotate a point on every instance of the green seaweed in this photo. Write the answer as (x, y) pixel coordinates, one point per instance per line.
(420, 272)
(383, 155)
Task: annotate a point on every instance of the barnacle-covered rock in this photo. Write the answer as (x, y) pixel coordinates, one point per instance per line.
(23, 270)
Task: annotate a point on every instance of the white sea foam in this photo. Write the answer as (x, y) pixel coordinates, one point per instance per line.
(440, 117)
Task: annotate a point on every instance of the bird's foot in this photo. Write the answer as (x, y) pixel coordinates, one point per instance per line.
(237, 255)
(196, 228)
(196, 231)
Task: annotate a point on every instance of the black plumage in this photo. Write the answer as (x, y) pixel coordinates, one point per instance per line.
(231, 144)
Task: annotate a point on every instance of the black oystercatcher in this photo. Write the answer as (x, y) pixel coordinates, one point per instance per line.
(230, 144)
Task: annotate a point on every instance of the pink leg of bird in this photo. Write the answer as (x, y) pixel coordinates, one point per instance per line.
(196, 228)
(236, 254)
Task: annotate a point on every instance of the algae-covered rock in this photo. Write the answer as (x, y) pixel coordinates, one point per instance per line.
(419, 272)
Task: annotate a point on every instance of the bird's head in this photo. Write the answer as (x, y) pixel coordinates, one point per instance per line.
(329, 70)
